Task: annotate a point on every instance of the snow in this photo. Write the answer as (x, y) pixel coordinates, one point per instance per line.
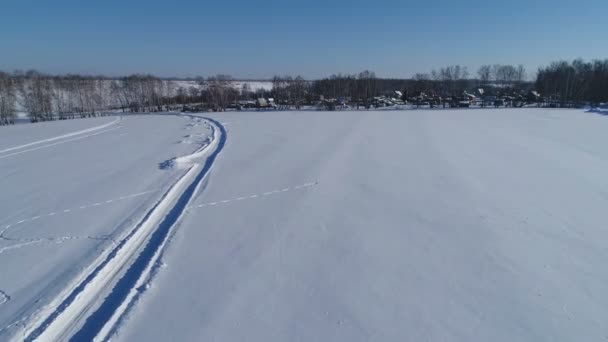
(459, 225)
(20, 135)
(238, 85)
(58, 324)
(63, 207)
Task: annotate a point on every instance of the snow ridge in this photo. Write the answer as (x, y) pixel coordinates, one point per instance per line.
(4, 297)
(120, 274)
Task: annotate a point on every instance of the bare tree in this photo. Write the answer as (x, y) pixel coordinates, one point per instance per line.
(506, 74)
(366, 87)
(299, 91)
(7, 99)
(246, 91)
(36, 94)
(484, 73)
(118, 91)
(219, 88)
(573, 83)
(520, 74)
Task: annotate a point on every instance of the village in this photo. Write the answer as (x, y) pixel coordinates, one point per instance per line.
(397, 100)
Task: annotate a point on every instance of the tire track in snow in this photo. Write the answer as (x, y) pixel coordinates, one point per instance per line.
(68, 135)
(126, 268)
(59, 142)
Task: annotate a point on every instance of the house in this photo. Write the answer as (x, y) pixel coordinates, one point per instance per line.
(533, 96)
(261, 103)
(463, 101)
(247, 104)
(468, 96)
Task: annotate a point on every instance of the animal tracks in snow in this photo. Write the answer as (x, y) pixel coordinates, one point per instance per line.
(49, 241)
(255, 196)
(36, 241)
(6, 228)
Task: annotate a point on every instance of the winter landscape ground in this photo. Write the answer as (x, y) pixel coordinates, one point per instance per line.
(421, 225)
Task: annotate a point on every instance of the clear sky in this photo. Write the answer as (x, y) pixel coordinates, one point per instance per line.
(314, 38)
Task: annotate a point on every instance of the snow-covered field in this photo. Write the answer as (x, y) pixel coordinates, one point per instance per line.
(70, 194)
(451, 225)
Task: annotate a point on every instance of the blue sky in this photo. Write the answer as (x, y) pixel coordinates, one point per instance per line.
(258, 39)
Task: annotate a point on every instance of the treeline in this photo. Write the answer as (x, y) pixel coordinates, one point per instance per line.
(561, 84)
(446, 82)
(141, 93)
(218, 93)
(50, 97)
(360, 87)
(288, 91)
(47, 97)
(575, 83)
(7, 99)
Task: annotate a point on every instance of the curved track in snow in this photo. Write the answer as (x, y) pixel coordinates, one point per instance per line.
(94, 305)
